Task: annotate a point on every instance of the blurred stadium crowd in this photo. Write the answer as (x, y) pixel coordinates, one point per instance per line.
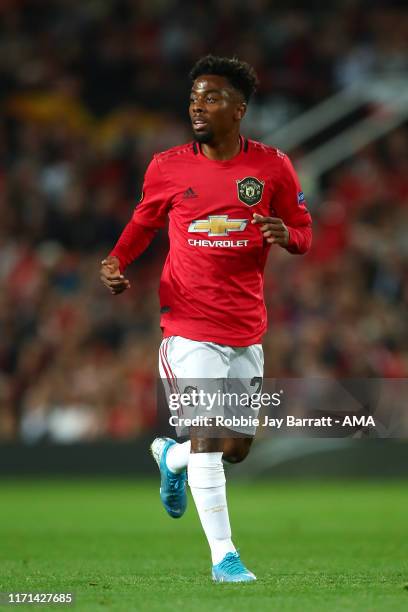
(88, 92)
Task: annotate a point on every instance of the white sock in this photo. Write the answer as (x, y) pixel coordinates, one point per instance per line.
(177, 456)
(207, 483)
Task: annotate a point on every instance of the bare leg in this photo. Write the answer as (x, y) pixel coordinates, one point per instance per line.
(234, 449)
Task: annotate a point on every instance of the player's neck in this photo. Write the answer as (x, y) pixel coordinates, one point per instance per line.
(223, 150)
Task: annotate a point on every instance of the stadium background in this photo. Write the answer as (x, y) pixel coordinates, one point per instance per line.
(88, 91)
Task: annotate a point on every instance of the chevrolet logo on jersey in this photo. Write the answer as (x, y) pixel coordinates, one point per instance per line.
(218, 225)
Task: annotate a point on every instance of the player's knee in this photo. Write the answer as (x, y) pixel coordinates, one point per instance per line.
(236, 451)
(235, 458)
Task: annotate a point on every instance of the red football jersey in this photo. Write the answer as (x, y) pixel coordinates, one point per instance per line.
(211, 287)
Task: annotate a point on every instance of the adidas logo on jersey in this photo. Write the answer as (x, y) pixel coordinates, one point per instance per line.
(189, 193)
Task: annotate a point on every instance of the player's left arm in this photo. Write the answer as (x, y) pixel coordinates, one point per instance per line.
(291, 228)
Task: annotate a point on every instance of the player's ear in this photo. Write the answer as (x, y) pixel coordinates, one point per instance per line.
(240, 111)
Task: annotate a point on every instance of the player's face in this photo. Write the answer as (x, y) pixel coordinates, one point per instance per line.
(216, 108)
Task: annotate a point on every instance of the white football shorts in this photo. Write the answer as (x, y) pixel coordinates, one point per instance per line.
(224, 378)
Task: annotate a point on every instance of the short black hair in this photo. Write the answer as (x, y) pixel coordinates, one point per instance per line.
(240, 74)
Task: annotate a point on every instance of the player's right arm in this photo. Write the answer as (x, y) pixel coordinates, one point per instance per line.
(149, 216)
(112, 277)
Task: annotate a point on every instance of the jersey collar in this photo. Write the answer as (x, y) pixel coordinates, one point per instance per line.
(244, 149)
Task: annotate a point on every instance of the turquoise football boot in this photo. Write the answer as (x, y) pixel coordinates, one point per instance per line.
(173, 492)
(231, 569)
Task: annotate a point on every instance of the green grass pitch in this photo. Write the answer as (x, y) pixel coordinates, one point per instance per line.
(314, 546)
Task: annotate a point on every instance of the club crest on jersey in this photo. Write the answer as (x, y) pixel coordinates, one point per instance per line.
(250, 190)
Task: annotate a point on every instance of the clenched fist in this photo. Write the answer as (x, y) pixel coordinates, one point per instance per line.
(111, 276)
(273, 229)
